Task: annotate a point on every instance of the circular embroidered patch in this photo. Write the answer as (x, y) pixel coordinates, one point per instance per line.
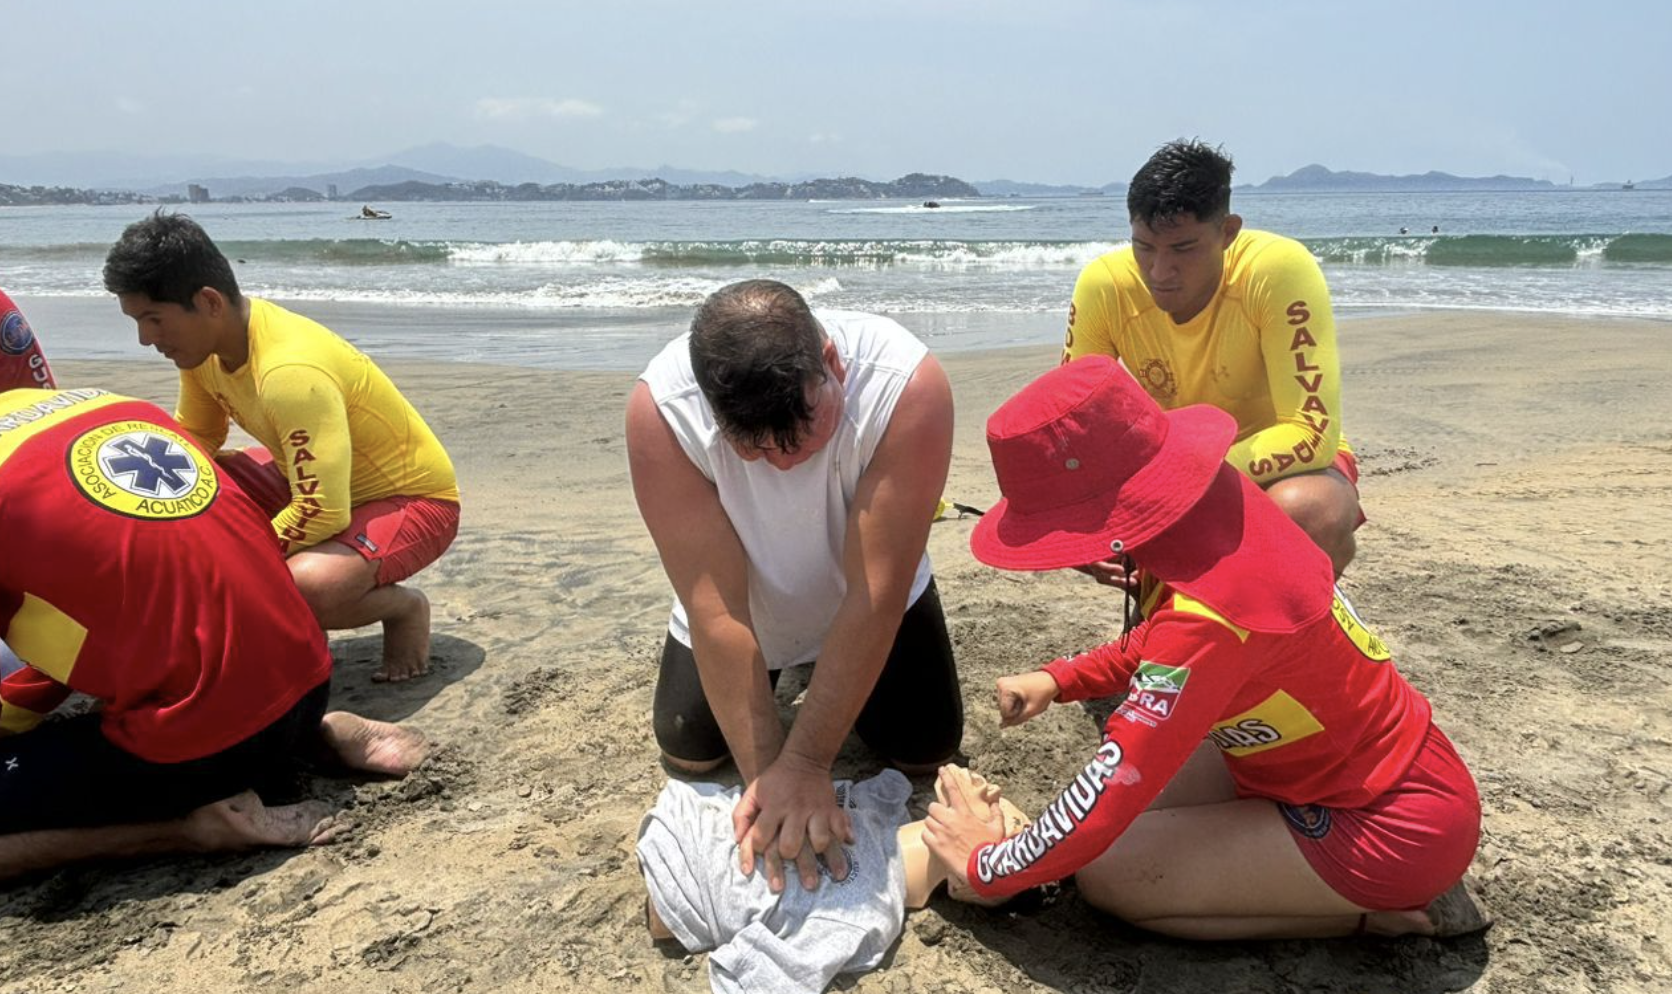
(1309, 820)
(1157, 378)
(15, 334)
(143, 470)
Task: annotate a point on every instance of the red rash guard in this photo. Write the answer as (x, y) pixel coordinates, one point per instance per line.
(131, 575)
(22, 364)
(1320, 716)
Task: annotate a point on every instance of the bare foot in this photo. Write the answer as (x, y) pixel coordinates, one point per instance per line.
(1391, 923)
(243, 822)
(372, 746)
(1456, 912)
(406, 639)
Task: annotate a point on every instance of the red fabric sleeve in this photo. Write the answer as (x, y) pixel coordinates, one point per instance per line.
(22, 363)
(1189, 670)
(1101, 672)
(26, 696)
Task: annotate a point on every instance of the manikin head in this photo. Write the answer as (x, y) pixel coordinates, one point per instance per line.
(923, 871)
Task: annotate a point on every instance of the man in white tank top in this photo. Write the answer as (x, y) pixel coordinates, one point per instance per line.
(788, 466)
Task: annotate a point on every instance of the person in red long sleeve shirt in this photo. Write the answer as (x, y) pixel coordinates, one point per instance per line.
(22, 363)
(135, 575)
(1269, 773)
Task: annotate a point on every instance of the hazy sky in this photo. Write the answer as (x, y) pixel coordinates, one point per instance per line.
(1066, 91)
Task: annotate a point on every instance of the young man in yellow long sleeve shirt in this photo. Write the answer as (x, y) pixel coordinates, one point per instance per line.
(360, 491)
(1202, 311)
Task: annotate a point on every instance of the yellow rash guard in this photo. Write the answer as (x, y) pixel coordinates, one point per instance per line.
(335, 424)
(1263, 350)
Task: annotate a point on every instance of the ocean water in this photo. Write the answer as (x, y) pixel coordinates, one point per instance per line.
(604, 284)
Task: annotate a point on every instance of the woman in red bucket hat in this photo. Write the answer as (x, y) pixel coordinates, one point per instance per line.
(1269, 773)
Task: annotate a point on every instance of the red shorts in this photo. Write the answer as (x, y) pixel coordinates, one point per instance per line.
(1405, 848)
(401, 534)
(1347, 465)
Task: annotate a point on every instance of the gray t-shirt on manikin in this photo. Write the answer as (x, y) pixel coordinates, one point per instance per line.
(795, 941)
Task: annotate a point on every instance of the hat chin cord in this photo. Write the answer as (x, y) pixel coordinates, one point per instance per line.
(1129, 590)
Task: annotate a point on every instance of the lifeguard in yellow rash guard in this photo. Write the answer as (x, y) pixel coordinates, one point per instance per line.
(1201, 311)
(360, 492)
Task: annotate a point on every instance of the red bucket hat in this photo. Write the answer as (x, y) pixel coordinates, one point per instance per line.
(1089, 467)
(1086, 459)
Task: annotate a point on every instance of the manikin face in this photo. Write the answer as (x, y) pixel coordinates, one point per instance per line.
(828, 400)
(1181, 261)
(184, 337)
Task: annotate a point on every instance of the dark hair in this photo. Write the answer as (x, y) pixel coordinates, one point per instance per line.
(169, 258)
(1182, 177)
(755, 349)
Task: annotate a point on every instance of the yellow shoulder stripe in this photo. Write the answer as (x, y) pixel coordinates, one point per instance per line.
(26, 413)
(48, 638)
(15, 720)
(1277, 721)
(1189, 605)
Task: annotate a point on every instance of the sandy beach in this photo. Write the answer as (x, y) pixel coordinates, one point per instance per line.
(1518, 478)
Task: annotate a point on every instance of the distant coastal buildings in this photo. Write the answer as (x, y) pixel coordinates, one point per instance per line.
(915, 186)
(37, 196)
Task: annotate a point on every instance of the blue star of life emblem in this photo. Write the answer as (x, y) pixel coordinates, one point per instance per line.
(147, 464)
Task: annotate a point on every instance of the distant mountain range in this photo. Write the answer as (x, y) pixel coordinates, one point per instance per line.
(85, 177)
(916, 186)
(508, 166)
(163, 176)
(1319, 179)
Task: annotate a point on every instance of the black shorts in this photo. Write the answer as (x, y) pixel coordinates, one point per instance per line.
(914, 716)
(66, 774)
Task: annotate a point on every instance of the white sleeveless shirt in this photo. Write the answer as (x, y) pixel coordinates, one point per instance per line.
(793, 523)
